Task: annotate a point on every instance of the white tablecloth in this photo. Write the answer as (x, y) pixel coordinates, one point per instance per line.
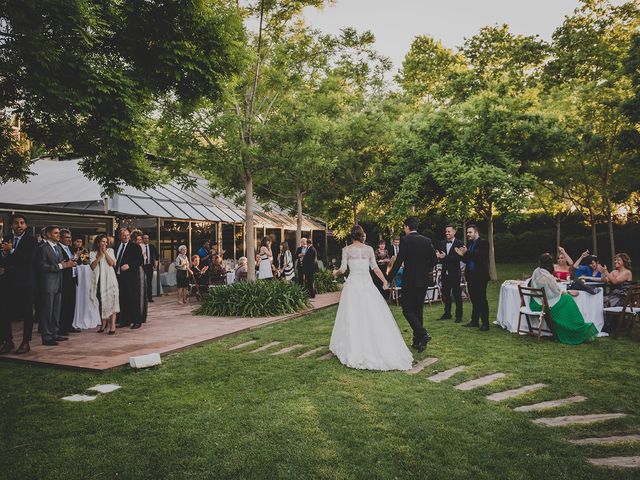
(87, 314)
(231, 277)
(509, 307)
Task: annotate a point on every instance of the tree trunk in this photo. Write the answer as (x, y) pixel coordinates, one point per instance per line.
(594, 238)
(250, 231)
(298, 216)
(493, 272)
(612, 239)
(464, 231)
(354, 209)
(558, 223)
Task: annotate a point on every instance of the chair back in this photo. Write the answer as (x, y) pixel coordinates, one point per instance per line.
(527, 293)
(633, 298)
(432, 278)
(243, 277)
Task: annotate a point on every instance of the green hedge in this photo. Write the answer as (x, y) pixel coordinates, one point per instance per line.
(324, 282)
(267, 298)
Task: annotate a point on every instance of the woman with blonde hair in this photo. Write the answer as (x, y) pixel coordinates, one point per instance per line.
(182, 268)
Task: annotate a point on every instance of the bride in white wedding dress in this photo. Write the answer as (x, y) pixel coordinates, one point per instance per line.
(365, 334)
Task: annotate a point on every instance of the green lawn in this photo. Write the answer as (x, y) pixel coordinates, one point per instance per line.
(212, 413)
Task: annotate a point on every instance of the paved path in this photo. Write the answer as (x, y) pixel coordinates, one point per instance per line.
(170, 327)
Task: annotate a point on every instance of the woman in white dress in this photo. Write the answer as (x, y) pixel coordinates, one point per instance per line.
(365, 334)
(285, 260)
(266, 256)
(104, 286)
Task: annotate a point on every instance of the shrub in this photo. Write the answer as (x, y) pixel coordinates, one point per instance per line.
(532, 244)
(254, 299)
(506, 246)
(324, 282)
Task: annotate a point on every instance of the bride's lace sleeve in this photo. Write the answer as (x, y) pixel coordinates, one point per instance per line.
(372, 259)
(344, 263)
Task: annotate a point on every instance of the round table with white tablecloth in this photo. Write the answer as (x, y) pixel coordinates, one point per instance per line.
(509, 307)
(231, 277)
(87, 314)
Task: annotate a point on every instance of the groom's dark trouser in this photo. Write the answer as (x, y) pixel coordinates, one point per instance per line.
(451, 290)
(478, 293)
(412, 309)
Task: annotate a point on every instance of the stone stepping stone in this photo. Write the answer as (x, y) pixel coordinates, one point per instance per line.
(550, 404)
(242, 345)
(106, 388)
(311, 352)
(265, 347)
(606, 440)
(288, 349)
(326, 356)
(80, 398)
(577, 419)
(447, 374)
(421, 365)
(516, 392)
(621, 462)
(479, 382)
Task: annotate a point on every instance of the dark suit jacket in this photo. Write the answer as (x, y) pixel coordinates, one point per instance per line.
(20, 264)
(296, 259)
(132, 256)
(451, 263)
(419, 258)
(153, 253)
(69, 282)
(309, 260)
(48, 268)
(480, 257)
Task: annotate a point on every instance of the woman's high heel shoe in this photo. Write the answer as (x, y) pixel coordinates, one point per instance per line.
(102, 328)
(111, 332)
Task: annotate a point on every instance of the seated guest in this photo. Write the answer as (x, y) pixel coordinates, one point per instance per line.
(590, 270)
(200, 275)
(562, 268)
(620, 278)
(182, 268)
(217, 272)
(570, 327)
(398, 280)
(242, 269)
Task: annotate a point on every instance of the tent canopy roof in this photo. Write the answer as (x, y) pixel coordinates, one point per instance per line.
(61, 184)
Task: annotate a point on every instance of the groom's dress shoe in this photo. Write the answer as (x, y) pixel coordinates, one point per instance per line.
(445, 317)
(426, 339)
(458, 320)
(484, 328)
(422, 346)
(471, 325)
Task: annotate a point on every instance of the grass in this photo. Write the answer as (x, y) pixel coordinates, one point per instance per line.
(213, 413)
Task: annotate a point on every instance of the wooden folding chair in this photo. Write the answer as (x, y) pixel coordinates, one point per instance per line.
(193, 289)
(434, 292)
(394, 293)
(628, 313)
(543, 316)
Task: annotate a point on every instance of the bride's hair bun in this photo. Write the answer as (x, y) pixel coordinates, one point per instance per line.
(357, 233)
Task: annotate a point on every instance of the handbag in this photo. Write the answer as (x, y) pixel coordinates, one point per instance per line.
(580, 285)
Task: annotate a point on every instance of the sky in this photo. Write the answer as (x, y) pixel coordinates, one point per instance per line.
(396, 22)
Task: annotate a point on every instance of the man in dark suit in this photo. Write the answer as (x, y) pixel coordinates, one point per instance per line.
(450, 273)
(476, 256)
(129, 259)
(20, 281)
(69, 286)
(50, 264)
(419, 258)
(395, 247)
(309, 266)
(298, 255)
(150, 255)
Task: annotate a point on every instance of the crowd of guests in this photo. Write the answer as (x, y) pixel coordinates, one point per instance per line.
(38, 281)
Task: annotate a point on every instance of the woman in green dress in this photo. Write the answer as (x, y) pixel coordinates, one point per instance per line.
(570, 327)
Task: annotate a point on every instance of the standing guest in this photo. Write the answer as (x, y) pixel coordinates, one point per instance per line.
(285, 262)
(49, 266)
(143, 303)
(182, 267)
(204, 252)
(451, 274)
(620, 279)
(382, 260)
(265, 256)
(150, 254)
(78, 246)
(242, 269)
(562, 268)
(104, 283)
(590, 270)
(297, 260)
(395, 247)
(20, 281)
(309, 267)
(418, 257)
(128, 262)
(69, 286)
(476, 257)
(570, 327)
(5, 250)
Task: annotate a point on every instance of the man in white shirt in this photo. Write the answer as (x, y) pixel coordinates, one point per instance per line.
(150, 255)
(395, 247)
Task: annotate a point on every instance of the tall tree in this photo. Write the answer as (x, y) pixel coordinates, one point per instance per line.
(84, 76)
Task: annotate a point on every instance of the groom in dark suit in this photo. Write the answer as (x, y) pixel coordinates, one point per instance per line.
(450, 273)
(419, 258)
